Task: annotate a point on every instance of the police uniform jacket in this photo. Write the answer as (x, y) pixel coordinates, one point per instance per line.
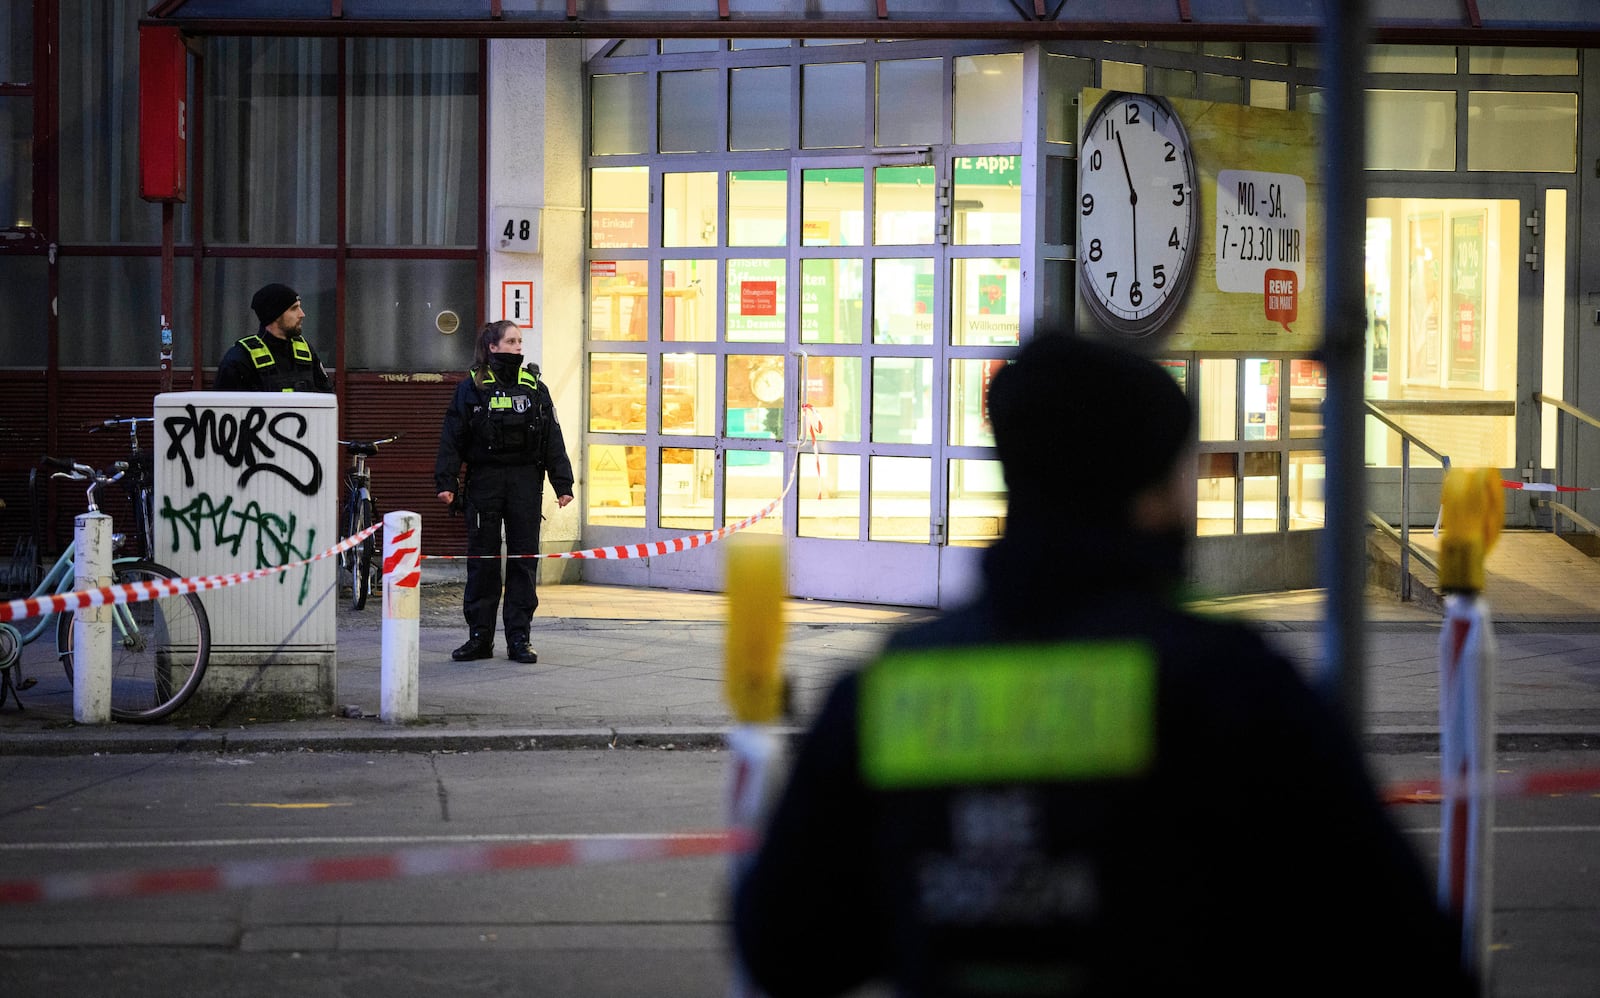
(266, 363)
(502, 416)
(1074, 787)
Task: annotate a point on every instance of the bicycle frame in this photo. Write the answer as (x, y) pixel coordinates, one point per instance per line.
(60, 579)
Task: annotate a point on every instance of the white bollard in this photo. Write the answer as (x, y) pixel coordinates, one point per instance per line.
(402, 616)
(1467, 653)
(91, 626)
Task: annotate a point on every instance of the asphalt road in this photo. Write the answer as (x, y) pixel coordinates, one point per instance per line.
(612, 929)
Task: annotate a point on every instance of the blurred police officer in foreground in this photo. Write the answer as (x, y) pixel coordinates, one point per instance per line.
(276, 357)
(1074, 787)
(502, 423)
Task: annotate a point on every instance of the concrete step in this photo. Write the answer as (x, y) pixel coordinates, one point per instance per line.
(1530, 575)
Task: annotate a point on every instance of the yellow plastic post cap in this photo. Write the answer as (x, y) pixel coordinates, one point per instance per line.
(1473, 511)
(755, 586)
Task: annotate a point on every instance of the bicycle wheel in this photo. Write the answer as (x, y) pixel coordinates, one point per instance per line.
(159, 648)
(362, 555)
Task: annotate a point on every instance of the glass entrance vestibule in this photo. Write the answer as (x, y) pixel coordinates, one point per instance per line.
(808, 260)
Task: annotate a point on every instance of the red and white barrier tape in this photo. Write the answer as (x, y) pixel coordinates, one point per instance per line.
(654, 549)
(138, 592)
(1544, 487)
(428, 861)
(566, 851)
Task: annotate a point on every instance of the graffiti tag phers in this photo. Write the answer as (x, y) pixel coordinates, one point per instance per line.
(274, 535)
(243, 444)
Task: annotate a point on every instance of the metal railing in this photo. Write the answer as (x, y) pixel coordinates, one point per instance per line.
(1408, 550)
(1562, 406)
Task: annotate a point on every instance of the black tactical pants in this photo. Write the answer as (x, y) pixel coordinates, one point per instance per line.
(504, 499)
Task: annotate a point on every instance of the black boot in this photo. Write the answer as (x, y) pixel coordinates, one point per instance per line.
(479, 645)
(517, 650)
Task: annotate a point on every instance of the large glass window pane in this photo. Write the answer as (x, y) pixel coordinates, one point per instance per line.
(754, 480)
(1522, 131)
(16, 54)
(910, 102)
(755, 396)
(969, 401)
(688, 300)
(413, 120)
(1171, 82)
(833, 105)
(1127, 76)
(902, 400)
(620, 114)
(685, 124)
(1308, 387)
(1060, 200)
(758, 208)
(617, 388)
(900, 506)
(977, 502)
(615, 485)
(833, 391)
(902, 301)
(410, 315)
(619, 300)
(688, 488)
(1065, 76)
(742, 44)
(830, 301)
(1216, 479)
(689, 209)
(1259, 393)
(757, 300)
(16, 162)
(670, 46)
(25, 288)
(619, 207)
(1411, 130)
(99, 129)
(1502, 61)
(688, 394)
(988, 98)
(830, 496)
(1260, 491)
(229, 284)
(988, 200)
(832, 211)
(271, 137)
(759, 113)
(1219, 399)
(903, 205)
(1308, 476)
(1412, 59)
(986, 302)
(134, 284)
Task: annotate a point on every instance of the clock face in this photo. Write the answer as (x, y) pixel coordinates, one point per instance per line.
(1138, 213)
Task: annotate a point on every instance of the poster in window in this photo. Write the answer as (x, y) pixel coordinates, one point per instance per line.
(1424, 297)
(1466, 319)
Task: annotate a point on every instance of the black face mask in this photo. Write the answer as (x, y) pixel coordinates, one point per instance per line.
(506, 361)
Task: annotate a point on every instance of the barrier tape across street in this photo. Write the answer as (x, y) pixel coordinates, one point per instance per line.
(565, 851)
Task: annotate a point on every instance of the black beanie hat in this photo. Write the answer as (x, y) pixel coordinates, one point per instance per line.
(1082, 426)
(272, 301)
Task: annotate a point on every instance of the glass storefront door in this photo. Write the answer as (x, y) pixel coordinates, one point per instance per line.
(855, 357)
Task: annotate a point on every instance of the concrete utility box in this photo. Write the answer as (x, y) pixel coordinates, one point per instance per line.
(248, 480)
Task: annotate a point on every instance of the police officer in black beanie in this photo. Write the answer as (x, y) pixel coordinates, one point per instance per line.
(276, 357)
(502, 424)
(1072, 786)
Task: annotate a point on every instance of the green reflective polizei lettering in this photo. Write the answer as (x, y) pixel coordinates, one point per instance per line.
(1013, 713)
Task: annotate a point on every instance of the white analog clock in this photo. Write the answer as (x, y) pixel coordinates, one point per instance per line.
(1138, 213)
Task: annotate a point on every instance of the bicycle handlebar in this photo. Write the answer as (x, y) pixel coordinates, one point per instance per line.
(371, 443)
(95, 426)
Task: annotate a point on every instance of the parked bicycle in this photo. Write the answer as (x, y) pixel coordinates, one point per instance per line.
(361, 565)
(160, 647)
(138, 482)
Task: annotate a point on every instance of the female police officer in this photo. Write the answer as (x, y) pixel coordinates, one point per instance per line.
(502, 423)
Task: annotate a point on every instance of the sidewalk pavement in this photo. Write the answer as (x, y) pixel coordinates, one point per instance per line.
(642, 668)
